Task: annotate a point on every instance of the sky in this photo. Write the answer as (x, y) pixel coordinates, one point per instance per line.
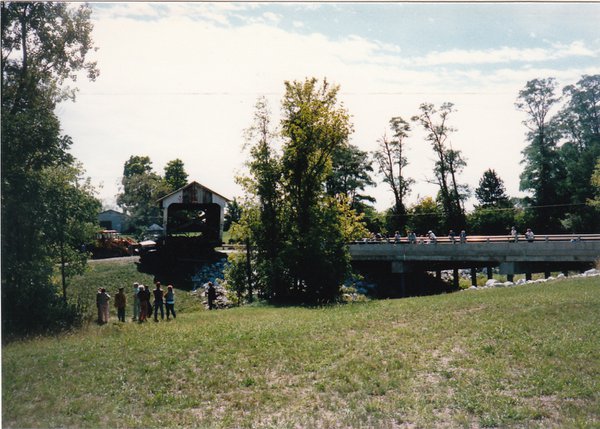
(180, 80)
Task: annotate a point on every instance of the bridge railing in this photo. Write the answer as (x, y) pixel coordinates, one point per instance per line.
(481, 239)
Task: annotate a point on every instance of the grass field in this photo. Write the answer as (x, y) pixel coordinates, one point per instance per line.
(526, 356)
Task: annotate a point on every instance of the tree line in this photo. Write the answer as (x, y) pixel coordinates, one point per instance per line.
(303, 202)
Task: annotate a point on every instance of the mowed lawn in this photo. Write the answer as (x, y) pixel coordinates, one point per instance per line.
(526, 356)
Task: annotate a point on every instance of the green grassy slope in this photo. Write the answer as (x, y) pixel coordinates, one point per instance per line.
(527, 356)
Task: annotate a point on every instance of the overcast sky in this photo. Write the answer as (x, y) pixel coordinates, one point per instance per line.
(181, 80)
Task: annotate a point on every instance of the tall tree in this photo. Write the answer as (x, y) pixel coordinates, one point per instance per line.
(71, 217)
(175, 174)
(136, 165)
(495, 212)
(491, 191)
(425, 215)
(351, 168)
(298, 231)
(449, 162)
(313, 126)
(264, 213)
(233, 214)
(43, 46)
(391, 160)
(595, 180)
(579, 122)
(543, 173)
(142, 187)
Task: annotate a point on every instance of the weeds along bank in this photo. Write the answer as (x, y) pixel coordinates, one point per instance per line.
(504, 357)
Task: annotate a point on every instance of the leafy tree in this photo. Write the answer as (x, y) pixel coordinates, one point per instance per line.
(425, 215)
(175, 174)
(233, 214)
(595, 202)
(449, 162)
(142, 187)
(298, 231)
(70, 221)
(350, 174)
(138, 199)
(262, 217)
(543, 172)
(579, 124)
(43, 46)
(137, 165)
(313, 126)
(391, 160)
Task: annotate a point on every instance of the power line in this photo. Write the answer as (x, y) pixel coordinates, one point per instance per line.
(498, 209)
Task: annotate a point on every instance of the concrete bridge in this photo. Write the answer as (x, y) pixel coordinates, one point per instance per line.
(544, 254)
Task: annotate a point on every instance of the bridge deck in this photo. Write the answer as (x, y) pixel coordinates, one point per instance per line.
(481, 251)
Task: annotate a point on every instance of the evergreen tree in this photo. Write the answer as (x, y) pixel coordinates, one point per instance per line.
(495, 213)
(175, 174)
(491, 191)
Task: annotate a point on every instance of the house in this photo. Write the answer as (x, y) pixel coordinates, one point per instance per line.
(112, 219)
(194, 208)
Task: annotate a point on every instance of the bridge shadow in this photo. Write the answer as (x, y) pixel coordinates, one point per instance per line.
(177, 272)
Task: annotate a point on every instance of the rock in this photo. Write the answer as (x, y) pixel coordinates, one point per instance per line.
(491, 282)
(591, 273)
(521, 282)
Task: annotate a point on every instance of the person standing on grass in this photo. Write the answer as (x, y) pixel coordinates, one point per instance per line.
(212, 296)
(98, 306)
(120, 303)
(136, 301)
(158, 302)
(170, 301)
(144, 296)
(104, 309)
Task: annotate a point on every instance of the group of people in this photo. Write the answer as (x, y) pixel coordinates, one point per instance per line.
(529, 235)
(142, 307)
(429, 238)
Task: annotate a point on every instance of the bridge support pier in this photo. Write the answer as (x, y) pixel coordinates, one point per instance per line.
(510, 277)
(527, 276)
(546, 274)
(490, 273)
(473, 276)
(455, 278)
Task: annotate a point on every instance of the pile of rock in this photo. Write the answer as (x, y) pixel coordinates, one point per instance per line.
(212, 272)
(493, 283)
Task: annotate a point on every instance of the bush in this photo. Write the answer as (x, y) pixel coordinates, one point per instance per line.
(37, 310)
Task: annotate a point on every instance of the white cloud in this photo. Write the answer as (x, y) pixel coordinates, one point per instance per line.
(184, 86)
(503, 55)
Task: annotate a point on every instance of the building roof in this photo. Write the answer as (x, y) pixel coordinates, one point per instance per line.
(112, 211)
(189, 185)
